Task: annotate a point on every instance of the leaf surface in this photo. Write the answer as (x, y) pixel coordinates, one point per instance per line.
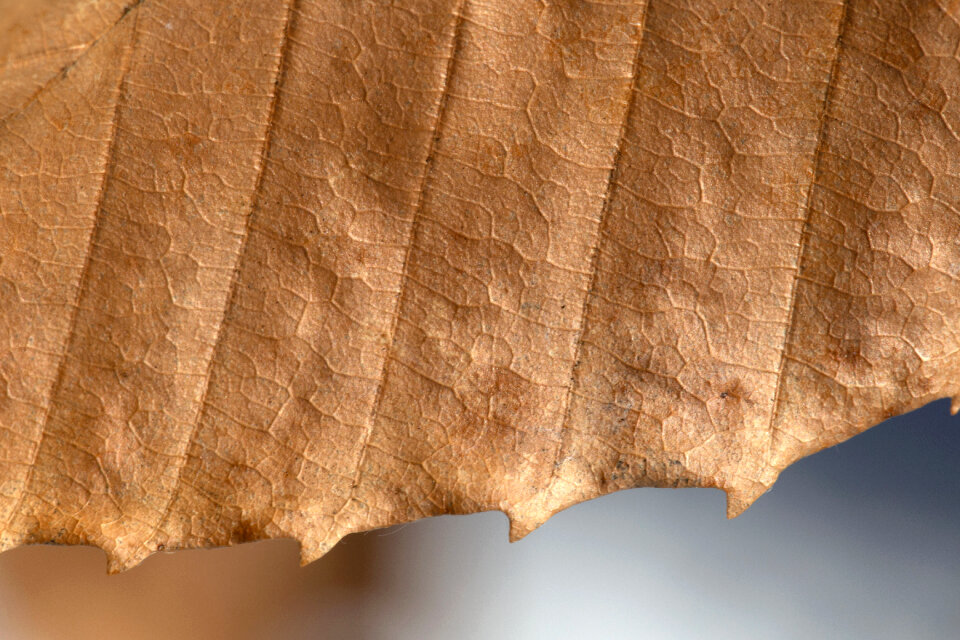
(313, 267)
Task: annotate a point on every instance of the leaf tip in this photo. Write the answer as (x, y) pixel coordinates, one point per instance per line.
(118, 563)
(523, 524)
(740, 499)
(310, 551)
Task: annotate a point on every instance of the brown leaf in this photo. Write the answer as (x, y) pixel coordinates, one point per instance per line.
(309, 268)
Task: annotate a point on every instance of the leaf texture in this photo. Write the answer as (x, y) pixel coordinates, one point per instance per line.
(305, 268)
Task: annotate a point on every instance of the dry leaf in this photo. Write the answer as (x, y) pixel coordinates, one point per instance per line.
(309, 268)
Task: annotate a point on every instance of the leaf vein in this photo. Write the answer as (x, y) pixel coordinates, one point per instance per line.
(612, 179)
(234, 281)
(85, 269)
(65, 69)
(804, 230)
(414, 227)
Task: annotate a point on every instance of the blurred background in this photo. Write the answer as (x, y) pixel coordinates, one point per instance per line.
(858, 541)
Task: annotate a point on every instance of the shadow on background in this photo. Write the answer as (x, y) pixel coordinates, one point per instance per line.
(859, 541)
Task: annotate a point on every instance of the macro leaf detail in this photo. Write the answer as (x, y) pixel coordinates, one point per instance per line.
(306, 268)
